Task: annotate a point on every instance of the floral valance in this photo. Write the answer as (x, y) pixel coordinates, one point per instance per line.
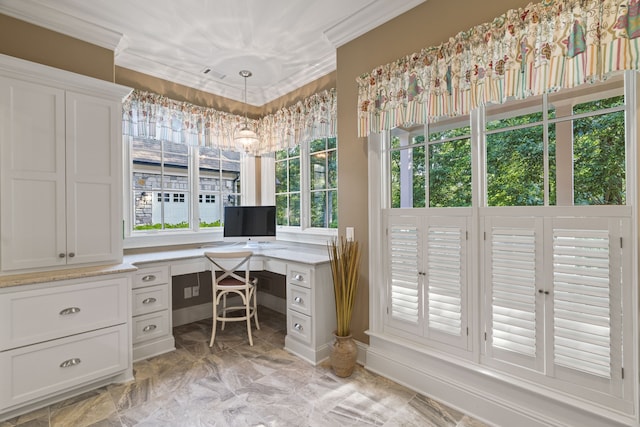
(540, 48)
(149, 115)
(312, 118)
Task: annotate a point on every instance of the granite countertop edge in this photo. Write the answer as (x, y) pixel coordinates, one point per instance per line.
(32, 278)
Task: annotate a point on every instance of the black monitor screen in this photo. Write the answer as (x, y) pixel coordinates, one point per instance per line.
(250, 223)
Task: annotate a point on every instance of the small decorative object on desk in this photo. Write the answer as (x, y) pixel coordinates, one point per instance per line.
(345, 268)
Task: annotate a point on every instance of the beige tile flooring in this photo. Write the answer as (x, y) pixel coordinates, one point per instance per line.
(234, 384)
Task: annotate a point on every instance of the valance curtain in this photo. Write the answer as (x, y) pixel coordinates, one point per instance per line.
(540, 48)
(149, 115)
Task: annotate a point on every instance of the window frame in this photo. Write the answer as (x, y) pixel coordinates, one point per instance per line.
(195, 234)
(303, 233)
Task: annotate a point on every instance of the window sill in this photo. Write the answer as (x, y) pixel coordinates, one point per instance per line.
(151, 239)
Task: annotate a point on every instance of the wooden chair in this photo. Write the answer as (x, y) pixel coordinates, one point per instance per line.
(227, 279)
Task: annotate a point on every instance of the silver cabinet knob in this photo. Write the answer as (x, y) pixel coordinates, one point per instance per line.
(149, 328)
(149, 300)
(298, 277)
(297, 326)
(149, 278)
(298, 300)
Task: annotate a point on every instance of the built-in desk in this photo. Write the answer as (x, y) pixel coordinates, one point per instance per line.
(310, 306)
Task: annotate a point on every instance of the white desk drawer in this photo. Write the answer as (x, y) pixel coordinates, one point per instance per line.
(299, 275)
(274, 266)
(151, 276)
(149, 326)
(299, 299)
(42, 369)
(150, 299)
(39, 315)
(299, 326)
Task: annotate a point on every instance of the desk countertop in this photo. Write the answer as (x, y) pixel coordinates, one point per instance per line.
(304, 254)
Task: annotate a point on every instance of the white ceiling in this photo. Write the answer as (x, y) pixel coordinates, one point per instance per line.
(284, 43)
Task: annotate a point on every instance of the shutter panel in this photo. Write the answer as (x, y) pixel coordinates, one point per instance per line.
(514, 267)
(446, 280)
(587, 303)
(404, 310)
(581, 304)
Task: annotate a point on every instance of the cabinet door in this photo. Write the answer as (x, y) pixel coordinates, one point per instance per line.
(94, 232)
(32, 182)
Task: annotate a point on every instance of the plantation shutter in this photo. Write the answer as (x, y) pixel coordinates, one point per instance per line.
(513, 268)
(404, 310)
(587, 303)
(446, 284)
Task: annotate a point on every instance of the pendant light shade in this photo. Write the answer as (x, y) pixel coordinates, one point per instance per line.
(245, 139)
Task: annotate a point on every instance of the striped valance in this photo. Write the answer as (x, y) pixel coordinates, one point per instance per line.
(540, 48)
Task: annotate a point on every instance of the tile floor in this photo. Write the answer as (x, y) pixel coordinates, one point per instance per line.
(234, 384)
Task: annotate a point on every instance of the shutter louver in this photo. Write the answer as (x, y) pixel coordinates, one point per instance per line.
(444, 277)
(513, 281)
(403, 243)
(581, 302)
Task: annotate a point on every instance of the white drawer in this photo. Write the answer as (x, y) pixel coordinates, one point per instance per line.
(148, 300)
(38, 315)
(274, 266)
(299, 299)
(299, 326)
(151, 276)
(149, 326)
(42, 369)
(299, 275)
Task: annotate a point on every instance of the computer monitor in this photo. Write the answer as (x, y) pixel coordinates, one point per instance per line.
(249, 224)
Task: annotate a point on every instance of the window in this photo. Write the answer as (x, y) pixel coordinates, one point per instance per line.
(161, 168)
(549, 177)
(314, 163)
(437, 169)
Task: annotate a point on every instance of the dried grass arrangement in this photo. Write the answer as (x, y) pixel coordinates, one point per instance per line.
(345, 268)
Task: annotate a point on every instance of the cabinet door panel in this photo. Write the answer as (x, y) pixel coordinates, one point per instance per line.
(32, 150)
(93, 177)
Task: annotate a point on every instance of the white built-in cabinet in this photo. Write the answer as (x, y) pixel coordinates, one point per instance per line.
(60, 168)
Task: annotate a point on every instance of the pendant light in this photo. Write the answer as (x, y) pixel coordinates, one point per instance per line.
(246, 140)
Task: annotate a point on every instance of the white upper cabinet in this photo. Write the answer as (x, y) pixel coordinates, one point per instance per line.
(60, 168)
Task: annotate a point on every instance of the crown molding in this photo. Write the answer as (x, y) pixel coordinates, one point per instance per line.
(369, 17)
(40, 14)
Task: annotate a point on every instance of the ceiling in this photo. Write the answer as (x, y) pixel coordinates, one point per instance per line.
(284, 43)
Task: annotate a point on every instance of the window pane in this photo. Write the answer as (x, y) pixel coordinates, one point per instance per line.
(419, 177)
(318, 209)
(332, 163)
(294, 210)
(394, 179)
(317, 145)
(294, 174)
(282, 183)
(515, 172)
(282, 209)
(437, 135)
(160, 174)
(332, 143)
(450, 173)
(282, 154)
(318, 173)
(599, 157)
(333, 208)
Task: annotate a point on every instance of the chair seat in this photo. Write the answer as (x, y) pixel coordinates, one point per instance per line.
(230, 281)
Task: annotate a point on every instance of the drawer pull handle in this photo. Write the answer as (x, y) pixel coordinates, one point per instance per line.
(70, 362)
(149, 300)
(297, 326)
(70, 310)
(71, 254)
(149, 278)
(298, 277)
(149, 328)
(298, 300)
